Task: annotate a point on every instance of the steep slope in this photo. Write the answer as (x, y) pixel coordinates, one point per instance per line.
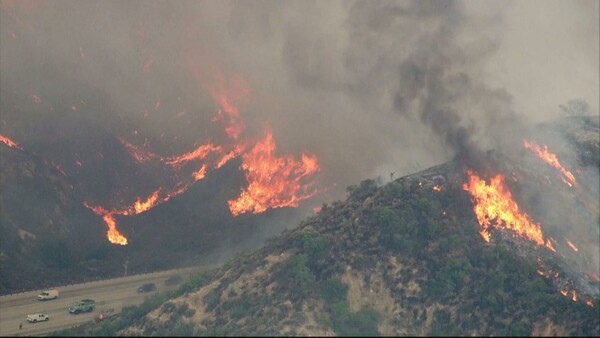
(49, 238)
(401, 259)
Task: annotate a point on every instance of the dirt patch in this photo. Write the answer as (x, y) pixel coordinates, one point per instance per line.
(376, 295)
(546, 328)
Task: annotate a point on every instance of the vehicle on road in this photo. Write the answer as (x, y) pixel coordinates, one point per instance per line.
(37, 317)
(47, 295)
(84, 305)
(147, 287)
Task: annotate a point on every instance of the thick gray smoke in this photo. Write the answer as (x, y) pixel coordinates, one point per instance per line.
(369, 87)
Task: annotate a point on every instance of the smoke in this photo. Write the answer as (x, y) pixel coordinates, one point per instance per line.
(365, 86)
(369, 87)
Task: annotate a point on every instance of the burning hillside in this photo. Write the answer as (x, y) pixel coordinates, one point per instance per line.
(444, 249)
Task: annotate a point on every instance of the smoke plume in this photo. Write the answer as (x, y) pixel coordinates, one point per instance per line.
(369, 87)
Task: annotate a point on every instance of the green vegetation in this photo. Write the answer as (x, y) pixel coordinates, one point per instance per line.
(422, 245)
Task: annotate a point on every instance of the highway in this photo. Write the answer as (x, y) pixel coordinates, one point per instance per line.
(111, 295)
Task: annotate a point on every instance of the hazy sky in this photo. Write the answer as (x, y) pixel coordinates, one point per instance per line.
(369, 87)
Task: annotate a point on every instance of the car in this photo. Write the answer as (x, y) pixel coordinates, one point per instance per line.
(84, 305)
(47, 295)
(37, 317)
(147, 287)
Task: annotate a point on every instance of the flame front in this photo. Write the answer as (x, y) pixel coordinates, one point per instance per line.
(197, 154)
(9, 142)
(495, 207)
(552, 160)
(273, 182)
(140, 206)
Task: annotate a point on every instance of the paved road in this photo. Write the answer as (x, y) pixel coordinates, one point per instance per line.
(110, 294)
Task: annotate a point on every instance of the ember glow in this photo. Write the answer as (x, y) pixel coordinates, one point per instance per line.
(572, 245)
(552, 160)
(495, 207)
(197, 154)
(273, 182)
(437, 187)
(9, 142)
(138, 154)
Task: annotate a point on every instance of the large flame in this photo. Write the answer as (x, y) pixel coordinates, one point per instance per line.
(9, 142)
(552, 160)
(273, 182)
(495, 207)
(114, 236)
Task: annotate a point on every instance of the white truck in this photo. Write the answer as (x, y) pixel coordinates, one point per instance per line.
(37, 317)
(48, 294)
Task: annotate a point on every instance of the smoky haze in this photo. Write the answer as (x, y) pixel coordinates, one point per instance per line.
(369, 87)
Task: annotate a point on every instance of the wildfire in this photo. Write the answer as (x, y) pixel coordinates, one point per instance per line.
(114, 236)
(138, 207)
(572, 245)
(139, 155)
(229, 112)
(9, 142)
(197, 154)
(552, 160)
(273, 182)
(494, 206)
(200, 174)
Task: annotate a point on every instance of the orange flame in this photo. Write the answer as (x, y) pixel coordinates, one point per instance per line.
(200, 174)
(197, 154)
(574, 297)
(140, 206)
(139, 155)
(273, 182)
(552, 160)
(589, 302)
(114, 236)
(572, 245)
(9, 142)
(495, 202)
(229, 109)
(564, 292)
(437, 187)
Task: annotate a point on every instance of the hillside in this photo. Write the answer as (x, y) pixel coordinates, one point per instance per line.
(48, 237)
(404, 258)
